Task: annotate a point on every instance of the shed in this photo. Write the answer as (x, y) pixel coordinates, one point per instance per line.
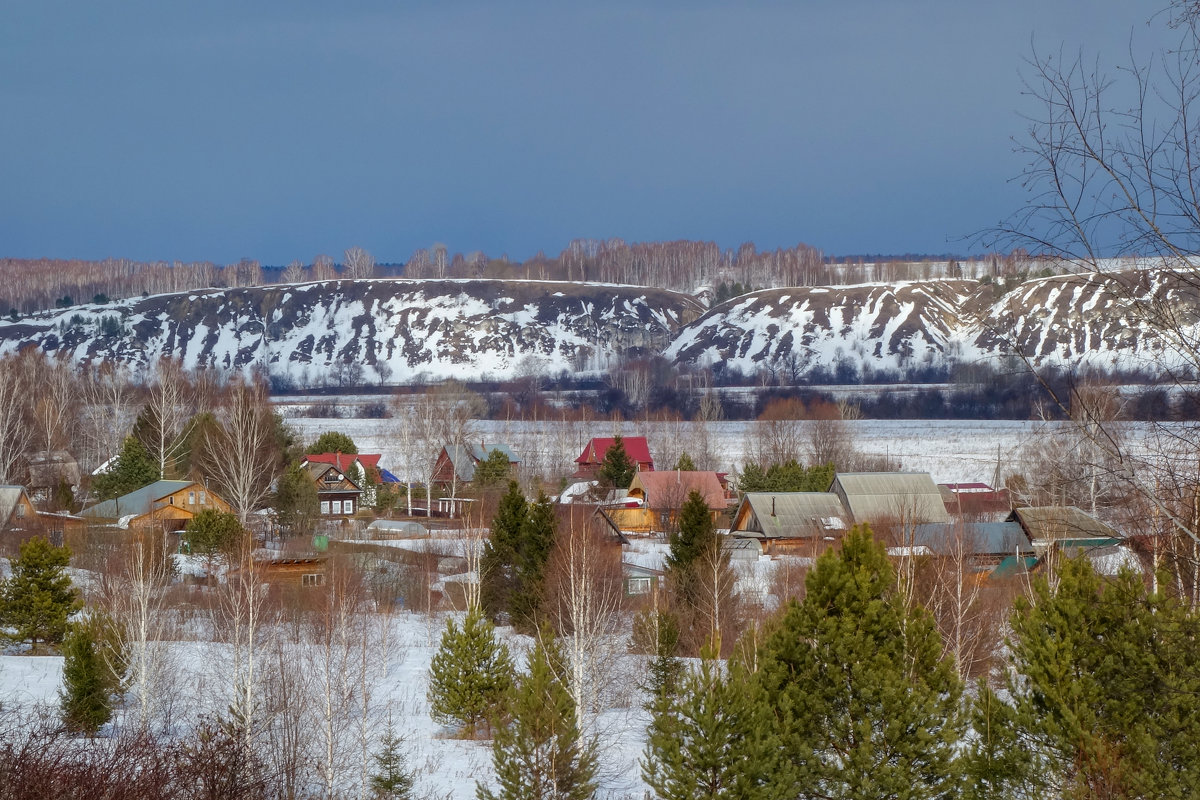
(907, 496)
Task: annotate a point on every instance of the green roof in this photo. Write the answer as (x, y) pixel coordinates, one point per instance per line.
(141, 501)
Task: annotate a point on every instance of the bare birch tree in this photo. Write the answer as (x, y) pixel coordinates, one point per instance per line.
(292, 273)
(110, 407)
(242, 620)
(584, 582)
(358, 263)
(168, 411)
(239, 454)
(16, 434)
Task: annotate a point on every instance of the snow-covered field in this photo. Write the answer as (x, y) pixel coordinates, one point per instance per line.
(446, 767)
(951, 450)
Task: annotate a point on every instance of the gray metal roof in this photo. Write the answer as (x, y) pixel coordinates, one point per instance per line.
(464, 457)
(137, 502)
(399, 526)
(873, 496)
(981, 538)
(775, 515)
(1055, 523)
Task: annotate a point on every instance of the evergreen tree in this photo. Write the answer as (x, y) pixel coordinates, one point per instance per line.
(617, 469)
(333, 442)
(712, 738)
(296, 501)
(1107, 693)
(211, 532)
(492, 469)
(392, 779)
(696, 534)
(786, 477)
(996, 764)
(86, 695)
(498, 564)
(866, 704)
(540, 754)
(470, 674)
(536, 538)
(657, 633)
(38, 598)
(685, 463)
(132, 469)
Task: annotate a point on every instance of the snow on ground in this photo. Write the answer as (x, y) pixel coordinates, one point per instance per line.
(447, 767)
(953, 451)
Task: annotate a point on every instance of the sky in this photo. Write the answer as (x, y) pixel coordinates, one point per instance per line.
(214, 131)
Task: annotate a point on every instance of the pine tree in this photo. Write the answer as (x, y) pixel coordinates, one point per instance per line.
(1107, 693)
(333, 442)
(392, 779)
(540, 754)
(132, 469)
(211, 532)
(38, 598)
(617, 469)
(657, 633)
(86, 695)
(712, 738)
(685, 463)
(866, 704)
(470, 674)
(296, 501)
(535, 540)
(498, 565)
(492, 469)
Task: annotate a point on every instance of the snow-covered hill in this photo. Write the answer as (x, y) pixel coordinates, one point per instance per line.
(343, 333)
(346, 332)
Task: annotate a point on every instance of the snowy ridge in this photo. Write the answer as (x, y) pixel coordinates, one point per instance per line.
(889, 326)
(386, 330)
(345, 333)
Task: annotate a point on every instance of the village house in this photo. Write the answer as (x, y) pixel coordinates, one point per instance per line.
(17, 511)
(782, 521)
(592, 457)
(338, 495)
(660, 495)
(456, 463)
(165, 505)
(362, 468)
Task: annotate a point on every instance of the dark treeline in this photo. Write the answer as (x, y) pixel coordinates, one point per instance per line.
(686, 266)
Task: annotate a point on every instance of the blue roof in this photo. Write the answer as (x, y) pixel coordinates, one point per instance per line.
(387, 477)
(982, 538)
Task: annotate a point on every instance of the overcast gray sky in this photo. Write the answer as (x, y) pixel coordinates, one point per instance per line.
(280, 130)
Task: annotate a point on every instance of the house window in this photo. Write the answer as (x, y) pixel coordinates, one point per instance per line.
(191, 498)
(20, 509)
(312, 579)
(324, 506)
(639, 586)
(203, 498)
(348, 506)
(337, 506)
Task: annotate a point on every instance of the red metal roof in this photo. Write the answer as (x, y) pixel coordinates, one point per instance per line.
(343, 460)
(635, 447)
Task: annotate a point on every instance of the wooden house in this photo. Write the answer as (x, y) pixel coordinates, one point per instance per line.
(17, 511)
(998, 547)
(782, 521)
(50, 468)
(165, 505)
(653, 500)
(592, 457)
(456, 463)
(338, 494)
(976, 500)
(362, 468)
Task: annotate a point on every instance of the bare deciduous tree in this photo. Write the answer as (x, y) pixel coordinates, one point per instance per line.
(358, 263)
(168, 411)
(16, 434)
(239, 455)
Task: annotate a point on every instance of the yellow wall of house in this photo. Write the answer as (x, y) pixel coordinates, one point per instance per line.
(193, 493)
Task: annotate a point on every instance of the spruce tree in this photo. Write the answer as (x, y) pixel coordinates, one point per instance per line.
(696, 534)
(541, 754)
(38, 598)
(131, 470)
(535, 540)
(492, 469)
(617, 469)
(470, 674)
(211, 532)
(392, 779)
(1107, 691)
(86, 694)
(866, 704)
(685, 463)
(498, 564)
(657, 633)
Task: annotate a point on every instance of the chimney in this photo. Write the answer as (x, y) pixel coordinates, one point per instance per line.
(772, 505)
